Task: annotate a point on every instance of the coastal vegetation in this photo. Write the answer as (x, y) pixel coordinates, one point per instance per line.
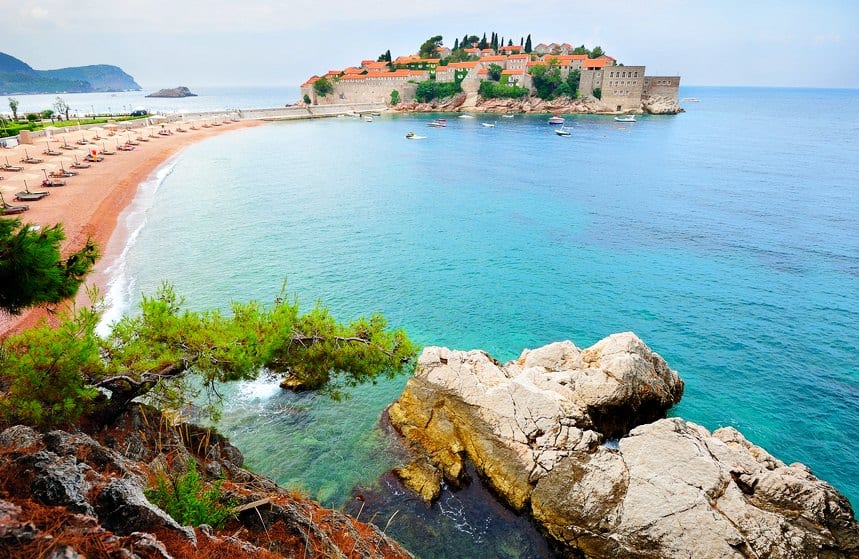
(54, 375)
(323, 87)
(494, 90)
(549, 83)
(431, 89)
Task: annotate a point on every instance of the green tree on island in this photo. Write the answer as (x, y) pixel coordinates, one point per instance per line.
(429, 48)
(528, 44)
(495, 72)
(323, 87)
(596, 52)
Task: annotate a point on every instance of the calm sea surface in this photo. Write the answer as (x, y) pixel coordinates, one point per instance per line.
(726, 237)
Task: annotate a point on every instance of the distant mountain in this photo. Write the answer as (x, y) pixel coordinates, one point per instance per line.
(16, 76)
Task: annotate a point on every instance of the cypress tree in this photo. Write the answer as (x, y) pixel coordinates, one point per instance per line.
(510, 43)
(483, 44)
(528, 44)
(456, 44)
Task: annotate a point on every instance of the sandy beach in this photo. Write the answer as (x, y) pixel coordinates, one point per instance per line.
(90, 203)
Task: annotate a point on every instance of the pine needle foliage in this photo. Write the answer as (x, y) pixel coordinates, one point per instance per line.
(169, 354)
(32, 270)
(189, 500)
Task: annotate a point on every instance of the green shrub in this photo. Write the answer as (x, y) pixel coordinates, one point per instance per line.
(32, 117)
(430, 89)
(395, 97)
(187, 499)
(323, 87)
(306, 99)
(492, 90)
(43, 371)
(598, 92)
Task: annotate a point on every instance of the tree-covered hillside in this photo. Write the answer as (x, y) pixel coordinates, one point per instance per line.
(16, 76)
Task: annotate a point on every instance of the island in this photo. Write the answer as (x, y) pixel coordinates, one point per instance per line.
(18, 77)
(173, 92)
(487, 75)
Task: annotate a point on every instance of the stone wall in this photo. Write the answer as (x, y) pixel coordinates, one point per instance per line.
(662, 86)
(369, 91)
(622, 87)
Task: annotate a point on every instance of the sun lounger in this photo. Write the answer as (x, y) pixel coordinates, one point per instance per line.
(51, 151)
(79, 165)
(11, 168)
(6, 209)
(53, 183)
(29, 196)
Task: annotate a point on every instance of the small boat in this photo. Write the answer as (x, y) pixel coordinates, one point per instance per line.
(488, 124)
(368, 118)
(465, 116)
(437, 124)
(690, 100)
(556, 119)
(625, 118)
(562, 131)
(413, 136)
(508, 116)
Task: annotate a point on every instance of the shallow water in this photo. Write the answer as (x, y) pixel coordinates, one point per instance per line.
(726, 237)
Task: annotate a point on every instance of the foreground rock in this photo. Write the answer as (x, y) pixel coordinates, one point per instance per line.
(535, 429)
(67, 494)
(173, 92)
(517, 421)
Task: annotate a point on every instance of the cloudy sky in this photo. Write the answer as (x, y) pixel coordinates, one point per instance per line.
(793, 43)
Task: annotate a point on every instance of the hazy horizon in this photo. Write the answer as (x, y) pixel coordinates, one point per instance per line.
(210, 44)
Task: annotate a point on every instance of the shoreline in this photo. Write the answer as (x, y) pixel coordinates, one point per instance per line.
(91, 203)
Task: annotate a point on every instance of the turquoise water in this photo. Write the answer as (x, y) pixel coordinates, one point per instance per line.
(726, 237)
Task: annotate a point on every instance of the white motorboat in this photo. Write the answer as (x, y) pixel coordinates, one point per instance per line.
(562, 131)
(625, 118)
(556, 119)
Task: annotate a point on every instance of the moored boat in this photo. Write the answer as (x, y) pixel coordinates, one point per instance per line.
(556, 119)
(625, 118)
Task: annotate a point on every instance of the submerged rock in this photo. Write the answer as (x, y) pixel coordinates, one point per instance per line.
(533, 429)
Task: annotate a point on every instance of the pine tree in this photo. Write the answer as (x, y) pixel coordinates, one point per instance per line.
(32, 272)
(528, 44)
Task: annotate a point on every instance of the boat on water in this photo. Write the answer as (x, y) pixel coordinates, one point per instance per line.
(508, 116)
(562, 131)
(690, 100)
(625, 118)
(488, 124)
(413, 136)
(556, 119)
(368, 118)
(465, 116)
(440, 123)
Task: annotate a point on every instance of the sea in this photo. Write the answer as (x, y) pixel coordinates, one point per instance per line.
(726, 237)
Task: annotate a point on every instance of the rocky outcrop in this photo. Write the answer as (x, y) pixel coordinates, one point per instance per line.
(576, 439)
(672, 489)
(658, 105)
(515, 422)
(69, 494)
(583, 105)
(173, 92)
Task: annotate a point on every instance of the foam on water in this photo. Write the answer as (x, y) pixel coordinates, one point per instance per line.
(120, 293)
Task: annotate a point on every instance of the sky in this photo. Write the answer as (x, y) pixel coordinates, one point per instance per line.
(166, 43)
